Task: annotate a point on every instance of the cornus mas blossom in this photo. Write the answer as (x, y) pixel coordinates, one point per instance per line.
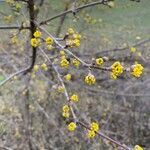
(68, 77)
(137, 70)
(137, 147)
(116, 69)
(49, 41)
(74, 98)
(90, 79)
(72, 39)
(72, 126)
(99, 61)
(65, 111)
(37, 34)
(64, 63)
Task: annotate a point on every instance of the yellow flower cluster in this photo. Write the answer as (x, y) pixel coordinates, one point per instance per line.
(90, 79)
(73, 38)
(14, 39)
(37, 34)
(76, 62)
(17, 6)
(35, 42)
(99, 61)
(65, 112)
(62, 52)
(73, 43)
(137, 70)
(72, 126)
(91, 134)
(68, 77)
(137, 147)
(94, 127)
(35, 68)
(74, 98)
(10, 2)
(64, 62)
(8, 18)
(117, 69)
(49, 41)
(132, 49)
(70, 31)
(89, 19)
(44, 67)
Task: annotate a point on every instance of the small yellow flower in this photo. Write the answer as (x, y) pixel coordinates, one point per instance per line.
(71, 31)
(49, 41)
(94, 126)
(90, 79)
(76, 62)
(74, 98)
(68, 77)
(14, 39)
(44, 67)
(137, 70)
(77, 36)
(37, 34)
(18, 6)
(65, 108)
(73, 42)
(91, 134)
(8, 18)
(66, 114)
(64, 62)
(36, 68)
(137, 147)
(99, 61)
(70, 42)
(76, 43)
(35, 42)
(62, 52)
(60, 89)
(72, 126)
(132, 49)
(49, 47)
(113, 76)
(117, 68)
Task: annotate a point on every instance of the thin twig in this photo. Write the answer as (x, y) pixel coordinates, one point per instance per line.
(85, 64)
(106, 137)
(13, 75)
(70, 11)
(13, 27)
(5, 148)
(62, 83)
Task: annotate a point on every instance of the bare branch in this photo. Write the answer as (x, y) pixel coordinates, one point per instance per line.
(13, 75)
(106, 137)
(13, 27)
(70, 11)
